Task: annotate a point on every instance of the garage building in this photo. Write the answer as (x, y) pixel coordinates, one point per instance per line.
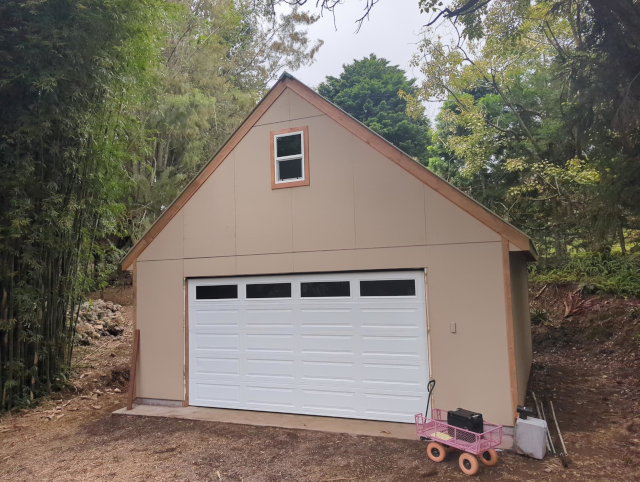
(313, 268)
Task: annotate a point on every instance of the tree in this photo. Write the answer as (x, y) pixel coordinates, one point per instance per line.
(219, 58)
(372, 91)
(534, 95)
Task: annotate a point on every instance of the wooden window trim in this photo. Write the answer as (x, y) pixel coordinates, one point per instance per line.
(307, 173)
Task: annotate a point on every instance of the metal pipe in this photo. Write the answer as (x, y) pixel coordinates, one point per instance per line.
(564, 448)
(548, 431)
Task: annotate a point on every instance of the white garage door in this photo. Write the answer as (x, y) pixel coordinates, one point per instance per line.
(343, 345)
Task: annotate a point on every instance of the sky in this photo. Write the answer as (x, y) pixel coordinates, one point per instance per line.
(392, 31)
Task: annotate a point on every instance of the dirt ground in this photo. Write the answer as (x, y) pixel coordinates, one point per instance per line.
(585, 365)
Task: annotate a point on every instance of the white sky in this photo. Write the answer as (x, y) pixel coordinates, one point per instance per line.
(392, 32)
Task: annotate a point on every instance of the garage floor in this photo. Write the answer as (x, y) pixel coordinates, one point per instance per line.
(265, 419)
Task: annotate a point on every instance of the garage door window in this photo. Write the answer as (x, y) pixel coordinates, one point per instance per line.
(217, 292)
(268, 290)
(325, 289)
(391, 287)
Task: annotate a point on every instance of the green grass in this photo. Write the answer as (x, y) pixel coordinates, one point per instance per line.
(599, 273)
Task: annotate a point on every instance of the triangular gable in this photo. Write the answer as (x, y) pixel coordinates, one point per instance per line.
(457, 197)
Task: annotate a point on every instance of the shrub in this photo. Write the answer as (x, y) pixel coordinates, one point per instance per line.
(598, 273)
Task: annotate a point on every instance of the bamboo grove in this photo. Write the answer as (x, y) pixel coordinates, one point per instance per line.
(108, 107)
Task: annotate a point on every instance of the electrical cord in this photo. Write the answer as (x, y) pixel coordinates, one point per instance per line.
(430, 386)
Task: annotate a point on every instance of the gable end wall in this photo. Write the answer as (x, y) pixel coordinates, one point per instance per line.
(360, 212)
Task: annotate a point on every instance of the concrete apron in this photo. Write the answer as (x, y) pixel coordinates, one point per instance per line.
(367, 428)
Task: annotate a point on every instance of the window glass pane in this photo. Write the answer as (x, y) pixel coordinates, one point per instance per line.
(269, 290)
(395, 287)
(325, 289)
(290, 169)
(217, 292)
(289, 145)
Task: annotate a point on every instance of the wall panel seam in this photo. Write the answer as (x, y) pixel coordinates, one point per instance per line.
(288, 120)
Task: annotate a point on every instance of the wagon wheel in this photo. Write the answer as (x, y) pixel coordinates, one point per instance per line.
(489, 457)
(468, 464)
(436, 452)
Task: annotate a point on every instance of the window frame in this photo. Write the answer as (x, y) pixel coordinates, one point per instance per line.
(275, 184)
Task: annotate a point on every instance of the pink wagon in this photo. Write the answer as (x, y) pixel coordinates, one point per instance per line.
(447, 438)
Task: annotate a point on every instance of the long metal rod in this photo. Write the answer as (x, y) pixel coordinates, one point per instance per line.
(564, 448)
(535, 401)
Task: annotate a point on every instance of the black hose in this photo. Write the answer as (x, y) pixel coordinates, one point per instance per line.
(430, 386)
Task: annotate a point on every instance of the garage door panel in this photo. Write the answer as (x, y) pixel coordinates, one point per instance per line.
(218, 342)
(332, 344)
(317, 319)
(269, 343)
(343, 402)
(269, 397)
(217, 318)
(216, 366)
(269, 318)
(354, 357)
(390, 318)
(387, 346)
(271, 370)
(328, 372)
(393, 375)
(393, 405)
(225, 395)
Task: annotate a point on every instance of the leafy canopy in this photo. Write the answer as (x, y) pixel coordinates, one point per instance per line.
(372, 91)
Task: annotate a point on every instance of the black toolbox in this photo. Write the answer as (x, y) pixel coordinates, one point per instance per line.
(466, 420)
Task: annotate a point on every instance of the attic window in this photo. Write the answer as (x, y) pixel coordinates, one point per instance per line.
(290, 158)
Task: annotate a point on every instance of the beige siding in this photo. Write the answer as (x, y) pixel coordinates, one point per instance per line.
(361, 211)
(169, 242)
(279, 110)
(521, 321)
(471, 366)
(329, 199)
(259, 209)
(160, 319)
(300, 108)
(389, 202)
(210, 217)
(449, 224)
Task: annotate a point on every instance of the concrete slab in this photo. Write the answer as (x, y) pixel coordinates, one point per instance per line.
(268, 419)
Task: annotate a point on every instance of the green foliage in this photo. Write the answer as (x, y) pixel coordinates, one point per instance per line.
(539, 316)
(109, 107)
(532, 122)
(218, 59)
(613, 274)
(71, 77)
(373, 92)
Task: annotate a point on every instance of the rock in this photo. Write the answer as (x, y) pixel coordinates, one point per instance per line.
(116, 330)
(99, 318)
(85, 328)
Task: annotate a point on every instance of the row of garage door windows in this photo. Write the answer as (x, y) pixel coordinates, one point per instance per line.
(311, 289)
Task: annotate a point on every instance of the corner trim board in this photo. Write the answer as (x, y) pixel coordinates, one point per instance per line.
(185, 402)
(513, 379)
